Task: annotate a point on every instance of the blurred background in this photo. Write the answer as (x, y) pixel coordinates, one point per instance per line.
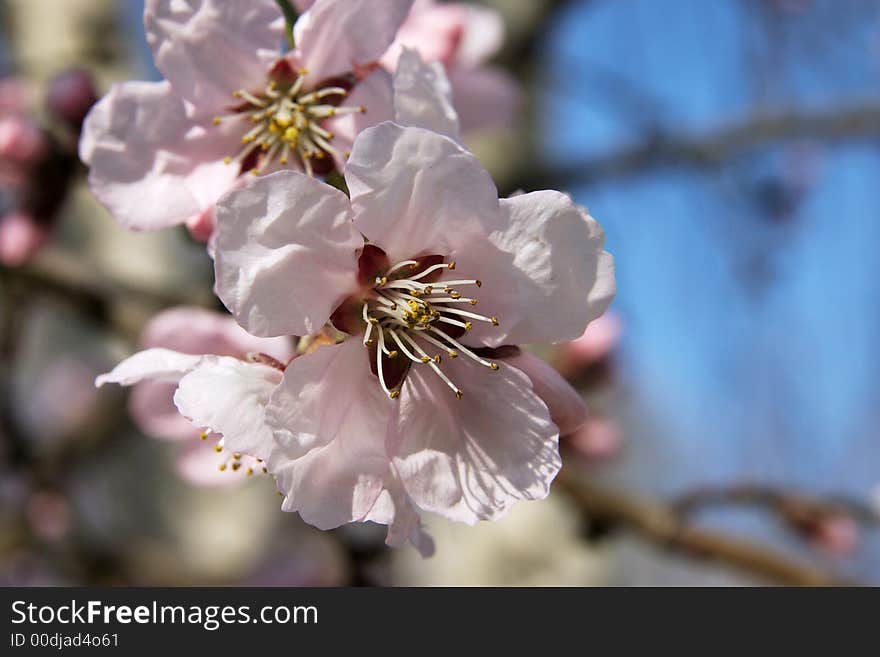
(730, 149)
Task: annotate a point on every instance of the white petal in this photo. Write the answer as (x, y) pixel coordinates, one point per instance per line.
(547, 276)
(150, 164)
(153, 364)
(285, 254)
(229, 396)
(567, 408)
(337, 36)
(423, 96)
(414, 191)
(307, 408)
(209, 48)
(471, 459)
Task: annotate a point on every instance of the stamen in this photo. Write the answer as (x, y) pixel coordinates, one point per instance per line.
(399, 265)
(286, 122)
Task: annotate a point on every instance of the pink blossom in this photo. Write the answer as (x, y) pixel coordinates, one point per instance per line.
(462, 37)
(177, 341)
(598, 439)
(20, 237)
(232, 104)
(836, 534)
(21, 140)
(423, 406)
(594, 346)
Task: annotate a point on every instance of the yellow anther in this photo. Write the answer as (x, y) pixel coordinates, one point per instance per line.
(451, 265)
(458, 394)
(265, 470)
(428, 290)
(473, 302)
(282, 122)
(453, 353)
(438, 359)
(247, 139)
(493, 366)
(283, 160)
(468, 326)
(394, 394)
(216, 120)
(455, 295)
(425, 359)
(237, 456)
(249, 472)
(392, 354)
(218, 448)
(236, 94)
(494, 321)
(222, 467)
(203, 435)
(236, 466)
(303, 71)
(227, 160)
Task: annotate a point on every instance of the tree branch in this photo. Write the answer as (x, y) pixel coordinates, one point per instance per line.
(659, 523)
(713, 148)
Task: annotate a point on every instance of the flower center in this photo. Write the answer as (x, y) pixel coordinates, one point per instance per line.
(408, 316)
(287, 123)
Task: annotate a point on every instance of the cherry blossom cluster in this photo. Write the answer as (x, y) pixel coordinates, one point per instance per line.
(380, 291)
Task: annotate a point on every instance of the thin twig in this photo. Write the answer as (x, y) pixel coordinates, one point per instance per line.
(660, 524)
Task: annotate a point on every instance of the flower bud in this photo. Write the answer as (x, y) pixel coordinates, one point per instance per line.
(71, 95)
(21, 140)
(21, 236)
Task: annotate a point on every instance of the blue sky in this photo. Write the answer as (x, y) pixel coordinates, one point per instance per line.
(729, 374)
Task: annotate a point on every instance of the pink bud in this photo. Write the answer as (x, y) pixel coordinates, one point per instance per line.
(597, 342)
(597, 440)
(20, 238)
(21, 140)
(836, 534)
(201, 225)
(13, 96)
(71, 95)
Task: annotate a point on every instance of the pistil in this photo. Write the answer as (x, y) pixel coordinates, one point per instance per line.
(407, 313)
(287, 123)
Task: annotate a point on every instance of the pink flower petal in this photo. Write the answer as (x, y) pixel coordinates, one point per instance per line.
(400, 181)
(153, 364)
(567, 408)
(285, 254)
(20, 238)
(375, 94)
(337, 36)
(435, 30)
(199, 331)
(482, 37)
(549, 275)
(228, 397)
(486, 98)
(306, 410)
(471, 459)
(209, 48)
(151, 166)
(423, 96)
(151, 406)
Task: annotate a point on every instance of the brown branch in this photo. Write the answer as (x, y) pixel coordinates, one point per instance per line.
(712, 148)
(659, 523)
